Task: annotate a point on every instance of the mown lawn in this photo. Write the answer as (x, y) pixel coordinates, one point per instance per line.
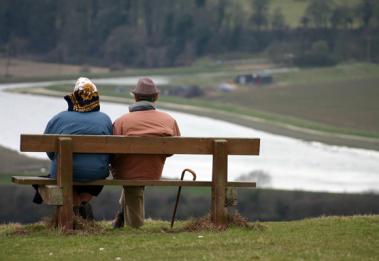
(328, 238)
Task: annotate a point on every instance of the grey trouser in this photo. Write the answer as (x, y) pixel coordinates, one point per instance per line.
(132, 205)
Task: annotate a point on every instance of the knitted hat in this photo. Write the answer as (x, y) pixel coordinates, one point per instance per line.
(85, 84)
(145, 86)
(84, 98)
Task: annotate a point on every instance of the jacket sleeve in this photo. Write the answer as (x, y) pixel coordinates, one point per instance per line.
(116, 127)
(176, 129)
(176, 132)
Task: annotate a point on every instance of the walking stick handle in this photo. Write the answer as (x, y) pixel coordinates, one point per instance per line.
(190, 171)
(179, 190)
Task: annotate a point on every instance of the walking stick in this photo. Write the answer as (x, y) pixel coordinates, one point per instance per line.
(178, 195)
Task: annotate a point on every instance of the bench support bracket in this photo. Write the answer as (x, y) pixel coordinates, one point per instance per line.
(51, 194)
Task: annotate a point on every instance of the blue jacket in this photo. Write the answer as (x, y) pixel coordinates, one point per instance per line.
(86, 167)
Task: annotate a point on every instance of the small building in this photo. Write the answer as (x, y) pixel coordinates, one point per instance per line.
(258, 78)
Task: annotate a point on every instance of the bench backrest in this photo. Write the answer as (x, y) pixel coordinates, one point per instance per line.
(139, 145)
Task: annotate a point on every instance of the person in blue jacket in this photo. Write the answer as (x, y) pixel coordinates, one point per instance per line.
(83, 117)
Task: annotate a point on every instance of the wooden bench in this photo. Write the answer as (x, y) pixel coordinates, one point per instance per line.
(60, 190)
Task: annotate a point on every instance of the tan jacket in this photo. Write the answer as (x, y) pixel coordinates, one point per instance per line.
(142, 123)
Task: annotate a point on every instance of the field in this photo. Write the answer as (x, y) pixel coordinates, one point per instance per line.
(328, 238)
(293, 10)
(28, 69)
(344, 97)
(340, 100)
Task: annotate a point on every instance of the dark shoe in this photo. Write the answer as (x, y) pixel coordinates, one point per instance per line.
(76, 210)
(118, 222)
(85, 211)
(37, 197)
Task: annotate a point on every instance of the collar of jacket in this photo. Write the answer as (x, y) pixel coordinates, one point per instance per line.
(141, 106)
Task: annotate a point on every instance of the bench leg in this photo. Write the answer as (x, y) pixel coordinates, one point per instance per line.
(64, 180)
(219, 180)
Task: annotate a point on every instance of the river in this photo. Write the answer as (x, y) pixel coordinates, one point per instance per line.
(286, 163)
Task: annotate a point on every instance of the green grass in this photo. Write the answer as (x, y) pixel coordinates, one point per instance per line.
(332, 238)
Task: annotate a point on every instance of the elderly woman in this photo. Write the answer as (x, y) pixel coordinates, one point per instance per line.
(82, 117)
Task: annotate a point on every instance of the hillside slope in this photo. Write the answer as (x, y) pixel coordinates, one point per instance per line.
(328, 238)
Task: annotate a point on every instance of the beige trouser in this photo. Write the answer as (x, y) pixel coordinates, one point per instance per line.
(132, 205)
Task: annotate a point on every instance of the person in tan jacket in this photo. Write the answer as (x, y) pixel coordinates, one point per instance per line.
(143, 119)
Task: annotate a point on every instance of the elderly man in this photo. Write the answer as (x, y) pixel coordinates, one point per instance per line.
(143, 119)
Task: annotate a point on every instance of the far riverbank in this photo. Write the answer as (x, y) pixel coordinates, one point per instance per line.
(244, 120)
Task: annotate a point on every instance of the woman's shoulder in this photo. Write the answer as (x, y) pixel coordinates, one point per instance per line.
(102, 114)
(62, 116)
(95, 114)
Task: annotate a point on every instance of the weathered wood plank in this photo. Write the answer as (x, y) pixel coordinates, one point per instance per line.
(51, 194)
(219, 180)
(24, 180)
(64, 180)
(138, 145)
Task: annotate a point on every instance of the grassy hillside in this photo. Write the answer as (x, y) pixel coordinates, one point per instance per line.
(14, 162)
(332, 238)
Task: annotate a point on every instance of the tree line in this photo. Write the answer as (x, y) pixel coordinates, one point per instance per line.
(119, 33)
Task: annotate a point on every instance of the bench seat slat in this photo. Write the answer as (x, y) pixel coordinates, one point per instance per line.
(138, 145)
(27, 180)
